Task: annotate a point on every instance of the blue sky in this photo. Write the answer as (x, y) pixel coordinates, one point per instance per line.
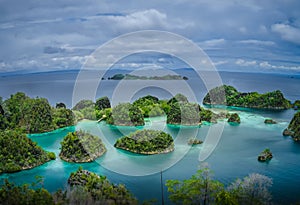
(238, 35)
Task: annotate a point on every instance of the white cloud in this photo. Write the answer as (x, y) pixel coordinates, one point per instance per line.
(267, 65)
(212, 43)
(242, 62)
(287, 32)
(257, 42)
(141, 20)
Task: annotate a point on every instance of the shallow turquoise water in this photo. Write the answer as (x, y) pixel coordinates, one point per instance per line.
(235, 156)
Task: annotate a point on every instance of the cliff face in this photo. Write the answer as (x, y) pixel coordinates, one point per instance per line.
(293, 129)
(228, 95)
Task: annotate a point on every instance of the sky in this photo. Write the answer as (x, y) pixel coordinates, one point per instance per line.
(238, 35)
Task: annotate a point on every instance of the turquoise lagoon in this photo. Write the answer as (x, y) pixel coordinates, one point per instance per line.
(234, 157)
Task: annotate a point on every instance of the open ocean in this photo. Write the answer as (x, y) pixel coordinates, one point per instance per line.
(234, 157)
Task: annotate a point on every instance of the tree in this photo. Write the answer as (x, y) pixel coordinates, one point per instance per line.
(63, 117)
(199, 189)
(37, 115)
(60, 105)
(10, 194)
(102, 103)
(253, 189)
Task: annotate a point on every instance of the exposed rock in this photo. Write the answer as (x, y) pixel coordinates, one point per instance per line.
(270, 121)
(235, 118)
(193, 141)
(265, 155)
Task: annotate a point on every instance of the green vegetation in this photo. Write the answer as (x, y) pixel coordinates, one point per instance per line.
(178, 98)
(119, 76)
(102, 103)
(270, 121)
(100, 189)
(126, 114)
(85, 188)
(202, 189)
(85, 109)
(234, 118)
(184, 113)
(63, 117)
(34, 115)
(296, 105)
(265, 155)
(34, 194)
(81, 147)
(293, 129)
(146, 142)
(150, 106)
(228, 95)
(194, 141)
(18, 152)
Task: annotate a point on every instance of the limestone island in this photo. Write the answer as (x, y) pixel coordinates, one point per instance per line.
(229, 96)
(81, 147)
(265, 155)
(296, 105)
(119, 76)
(293, 129)
(270, 121)
(194, 141)
(18, 152)
(234, 118)
(100, 189)
(125, 114)
(146, 142)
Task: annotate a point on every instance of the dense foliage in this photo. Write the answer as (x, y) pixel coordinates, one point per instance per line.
(150, 106)
(146, 142)
(63, 117)
(184, 113)
(293, 129)
(85, 109)
(102, 103)
(202, 189)
(178, 98)
(18, 152)
(228, 95)
(34, 115)
(234, 118)
(11, 194)
(126, 114)
(100, 189)
(80, 146)
(296, 105)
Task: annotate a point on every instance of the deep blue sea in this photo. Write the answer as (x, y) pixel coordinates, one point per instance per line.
(235, 156)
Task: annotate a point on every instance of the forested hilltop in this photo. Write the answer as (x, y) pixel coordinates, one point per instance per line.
(146, 142)
(21, 115)
(228, 95)
(33, 115)
(18, 152)
(80, 147)
(293, 129)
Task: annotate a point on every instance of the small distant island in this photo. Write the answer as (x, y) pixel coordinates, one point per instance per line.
(234, 118)
(146, 142)
(229, 96)
(194, 141)
(270, 121)
(293, 129)
(119, 76)
(18, 152)
(265, 155)
(81, 147)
